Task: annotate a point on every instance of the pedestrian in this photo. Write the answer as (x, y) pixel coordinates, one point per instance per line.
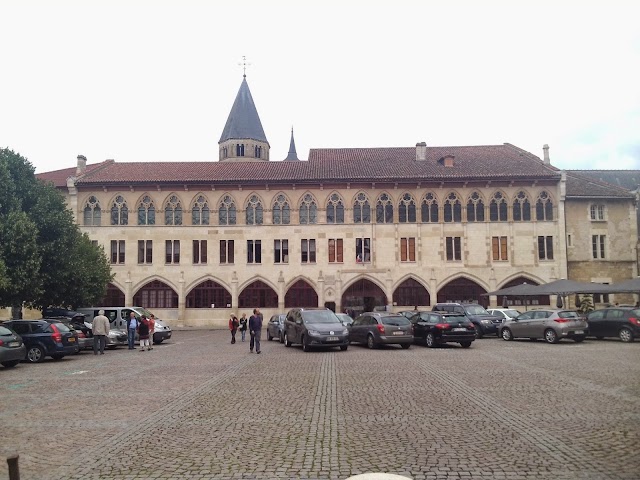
(152, 329)
(143, 332)
(255, 330)
(233, 327)
(243, 325)
(100, 330)
(132, 326)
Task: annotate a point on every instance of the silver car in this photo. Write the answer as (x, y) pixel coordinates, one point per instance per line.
(381, 328)
(552, 325)
(275, 327)
(504, 313)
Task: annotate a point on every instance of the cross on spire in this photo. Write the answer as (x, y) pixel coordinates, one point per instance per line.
(244, 66)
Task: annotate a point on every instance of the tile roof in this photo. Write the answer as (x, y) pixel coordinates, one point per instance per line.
(59, 177)
(580, 185)
(628, 179)
(341, 164)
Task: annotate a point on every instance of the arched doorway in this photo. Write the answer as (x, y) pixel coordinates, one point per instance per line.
(411, 293)
(209, 294)
(258, 295)
(301, 294)
(156, 294)
(363, 296)
(463, 290)
(113, 298)
(537, 300)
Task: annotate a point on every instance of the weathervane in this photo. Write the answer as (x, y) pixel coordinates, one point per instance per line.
(244, 66)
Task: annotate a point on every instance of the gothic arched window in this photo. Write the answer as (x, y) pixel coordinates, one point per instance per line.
(119, 211)
(335, 209)
(498, 208)
(308, 210)
(254, 211)
(407, 209)
(521, 208)
(475, 208)
(227, 211)
(429, 209)
(173, 211)
(544, 207)
(146, 211)
(361, 209)
(384, 209)
(281, 211)
(452, 208)
(92, 212)
(200, 211)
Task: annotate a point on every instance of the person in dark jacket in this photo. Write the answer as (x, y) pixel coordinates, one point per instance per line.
(255, 330)
(233, 327)
(143, 332)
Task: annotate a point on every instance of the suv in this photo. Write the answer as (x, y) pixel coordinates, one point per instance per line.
(315, 327)
(45, 338)
(483, 321)
(623, 322)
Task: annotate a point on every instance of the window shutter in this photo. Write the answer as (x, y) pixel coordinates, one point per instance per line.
(412, 249)
(403, 249)
(339, 250)
(495, 248)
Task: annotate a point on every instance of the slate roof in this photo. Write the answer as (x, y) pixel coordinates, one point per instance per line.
(580, 185)
(499, 162)
(243, 121)
(292, 156)
(628, 179)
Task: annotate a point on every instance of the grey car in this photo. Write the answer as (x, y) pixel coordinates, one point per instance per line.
(345, 319)
(275, 327)
(315, 327)
(552, 325)
(12, 350)
(381, 328)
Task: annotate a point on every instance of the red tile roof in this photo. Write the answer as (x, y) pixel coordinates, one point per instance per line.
(59, 177)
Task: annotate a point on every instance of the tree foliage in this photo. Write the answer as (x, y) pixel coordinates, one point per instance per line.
(44, 258)
(586, 304)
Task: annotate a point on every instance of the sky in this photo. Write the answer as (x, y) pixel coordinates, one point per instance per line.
(152, 81)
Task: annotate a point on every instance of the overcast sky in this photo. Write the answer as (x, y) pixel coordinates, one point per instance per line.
(155, 80)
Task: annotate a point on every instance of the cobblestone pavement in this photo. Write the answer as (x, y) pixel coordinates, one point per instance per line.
(199, 407)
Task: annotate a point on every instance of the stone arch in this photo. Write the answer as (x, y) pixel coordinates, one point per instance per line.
(519, 279)
(152, 278)
(146, 207)
(361, 206)
(411, 291)
(462, 288)
(173, 208)
(119, 209)
(307, 209)
(335, 207)
(475, 206)
(208, 293)
(429, 207)
(257, 293)
(499, 207)
(156, 294)
(200, 208)
(384, 208)
(227, 209)
(280, 209)
(407, 208)
(301, 294)
(363, 294)
(254, 208)
(452, 207)
(91, 211)
(521, 206)
(114, 296)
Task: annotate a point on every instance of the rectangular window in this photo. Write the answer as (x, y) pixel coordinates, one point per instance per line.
(308, 251)
(145, 251)
(453, 248)
(363, 250)
(408, 249)
(499, 248)
(199, 251)
(569, 241)
(545, 248)
(254, 251)
(281, 251)
(597, 212)
(226, 251)
(597, 246)
(172, 251)
(335, 250)
(117, 252)
(94, 243)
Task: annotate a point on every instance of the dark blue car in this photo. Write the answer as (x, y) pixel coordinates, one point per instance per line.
(45, 338)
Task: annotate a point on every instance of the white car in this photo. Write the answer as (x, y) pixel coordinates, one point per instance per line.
(504, 313)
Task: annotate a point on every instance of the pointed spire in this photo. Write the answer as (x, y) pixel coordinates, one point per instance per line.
(292, 156)
(243, 122)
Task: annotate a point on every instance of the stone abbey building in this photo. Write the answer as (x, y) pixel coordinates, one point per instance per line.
(348, 228)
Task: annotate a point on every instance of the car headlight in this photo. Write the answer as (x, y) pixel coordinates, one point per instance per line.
(315, 333)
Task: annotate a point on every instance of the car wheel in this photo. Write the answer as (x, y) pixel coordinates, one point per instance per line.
(287, 343)
(626, 335)
(57, 357)
(430, 340)
(465, 344)
(10, 364)
(344, 347)
(479, 333)
(405, 345)
(305, 346)
(269, 337)
(35, 354)
(370, 342)
(579, 339)
(506, 334)
(550, 335)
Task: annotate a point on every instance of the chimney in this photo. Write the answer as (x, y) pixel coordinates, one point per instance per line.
(448, 160)
(421, 151)
(545, 148)
(82, 165)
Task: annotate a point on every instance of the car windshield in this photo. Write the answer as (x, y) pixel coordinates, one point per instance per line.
(319, 316)
(511, 313)
(61, 326)
(475, 310)
(568, 314)
(455, 319)
(5, 331)
(398, 321)
(145, 312)
(344, 317)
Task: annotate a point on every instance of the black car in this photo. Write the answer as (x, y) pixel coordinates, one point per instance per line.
(485, 323)
(315, 327)
(435, 328)
(622, 322)
(45, 338)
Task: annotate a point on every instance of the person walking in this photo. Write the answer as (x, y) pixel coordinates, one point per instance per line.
(243, 325)
(233, 327)
(100, 330)
(152, 329)
(143, 332)
(132, 327)
(255, 330)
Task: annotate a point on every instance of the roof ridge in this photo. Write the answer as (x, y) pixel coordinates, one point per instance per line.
(600, 183)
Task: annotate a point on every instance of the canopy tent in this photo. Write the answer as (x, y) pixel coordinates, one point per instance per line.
(559, 287)
(628, 286)
(524, 289)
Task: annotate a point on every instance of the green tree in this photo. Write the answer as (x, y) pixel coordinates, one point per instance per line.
(586, 304)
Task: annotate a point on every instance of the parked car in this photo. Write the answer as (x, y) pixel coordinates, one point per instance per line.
(552, 325)
(345, 319)
(381, 328)
(485, 323)
(275, 327)
(44, 338)
(504, 313)
(622, 322)
(118, 321)
(12, 349)
(435, 328)
(315, 327)
(408, 313)
(54, 312)
(77, 323)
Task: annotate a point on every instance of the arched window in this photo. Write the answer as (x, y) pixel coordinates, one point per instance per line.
(452, 208)
(411, 293)
(257, 152)
(156, 294)
(227, 211)
(92, 213)
(301, 294)
(498, 208)
(429, 209)
(258, 294)
(544, 207)
(114, 297)
(308, 210)
(173, 211)
(146, 211)
(119, 211)
(521, 208)
(209, 294)
(407, 209)
(254, 211)
(240, 150)
(384, 209)
(361, 209)
(281, 211)
(200, 211)
(335, 209)
(475, 208)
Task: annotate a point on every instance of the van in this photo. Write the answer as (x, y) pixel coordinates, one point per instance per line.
(118, 320)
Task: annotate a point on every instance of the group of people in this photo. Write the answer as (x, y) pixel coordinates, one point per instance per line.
(144, 327)
(254, 325)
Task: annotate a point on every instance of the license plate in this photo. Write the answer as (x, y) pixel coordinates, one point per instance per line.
(14, 344)
(332, 339)
(459, 329)
(579, 332)
(72, 339)
(398, 333)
